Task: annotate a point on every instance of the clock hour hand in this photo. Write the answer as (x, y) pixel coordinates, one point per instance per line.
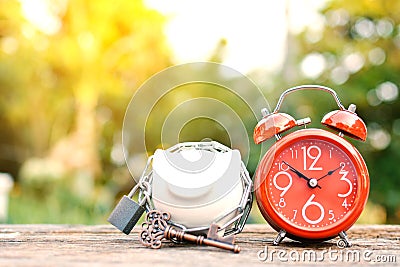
(312, 182)
(329, 173)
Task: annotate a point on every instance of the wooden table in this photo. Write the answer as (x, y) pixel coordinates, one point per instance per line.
(103, 245)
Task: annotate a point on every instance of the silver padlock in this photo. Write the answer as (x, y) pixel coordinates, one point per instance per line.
(127, 212)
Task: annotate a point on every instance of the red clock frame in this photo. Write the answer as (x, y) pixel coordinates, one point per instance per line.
(277, 221)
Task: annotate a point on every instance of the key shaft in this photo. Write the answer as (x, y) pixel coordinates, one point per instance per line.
(173, 234)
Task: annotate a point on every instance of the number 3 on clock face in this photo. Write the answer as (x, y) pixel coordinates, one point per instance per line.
(312, 185)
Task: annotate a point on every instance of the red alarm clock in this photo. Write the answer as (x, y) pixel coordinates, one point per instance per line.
(312, 184)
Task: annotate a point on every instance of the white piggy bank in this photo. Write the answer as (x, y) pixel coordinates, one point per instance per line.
(197, 187)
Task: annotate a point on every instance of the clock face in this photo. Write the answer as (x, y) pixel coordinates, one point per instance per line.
(313, 184)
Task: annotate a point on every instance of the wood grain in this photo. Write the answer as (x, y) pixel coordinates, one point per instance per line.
(103, 245)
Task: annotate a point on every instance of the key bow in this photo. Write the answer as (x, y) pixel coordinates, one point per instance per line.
(153, 228)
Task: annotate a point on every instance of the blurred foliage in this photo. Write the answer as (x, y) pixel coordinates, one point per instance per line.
(66, 81)
(65, 84)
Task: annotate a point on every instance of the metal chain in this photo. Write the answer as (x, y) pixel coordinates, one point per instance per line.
(145, 183)
(240, 212)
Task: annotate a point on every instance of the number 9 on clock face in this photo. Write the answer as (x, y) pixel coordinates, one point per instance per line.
(312, 184)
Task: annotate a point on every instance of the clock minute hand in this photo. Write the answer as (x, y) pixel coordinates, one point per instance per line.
(303, 176)
(329, 173)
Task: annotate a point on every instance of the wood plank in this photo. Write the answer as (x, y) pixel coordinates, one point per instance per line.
(103, 245)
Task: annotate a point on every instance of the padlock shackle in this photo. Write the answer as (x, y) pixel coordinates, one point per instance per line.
(308, 87)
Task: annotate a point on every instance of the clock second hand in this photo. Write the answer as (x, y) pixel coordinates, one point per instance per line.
(311, 182)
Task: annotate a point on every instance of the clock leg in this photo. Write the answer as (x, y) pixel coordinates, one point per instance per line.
(281, 235)
(344, 241)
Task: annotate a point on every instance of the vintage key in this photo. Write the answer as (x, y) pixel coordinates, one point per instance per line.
(127, 212)
(156, 228)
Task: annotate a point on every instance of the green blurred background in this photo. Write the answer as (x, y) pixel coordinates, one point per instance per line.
(67, 75)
